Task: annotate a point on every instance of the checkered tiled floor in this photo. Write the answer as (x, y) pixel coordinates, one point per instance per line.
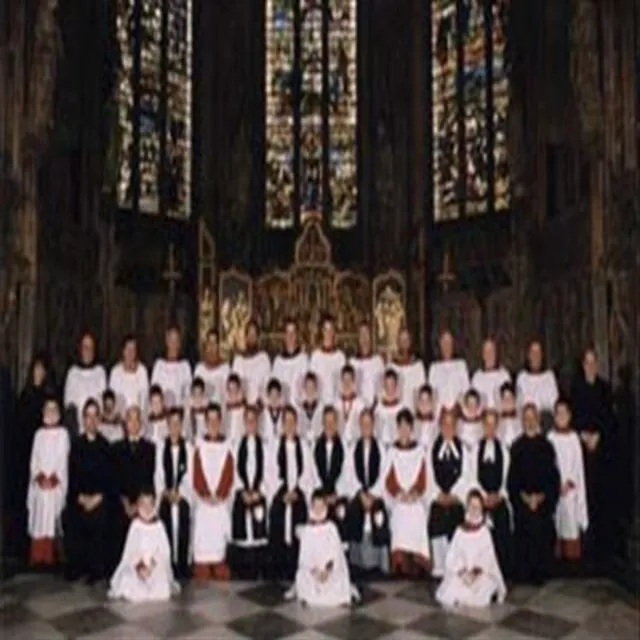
(41, 607)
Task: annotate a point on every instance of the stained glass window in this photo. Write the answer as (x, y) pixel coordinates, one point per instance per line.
(470, 104)
(311, 112)
(154, 106)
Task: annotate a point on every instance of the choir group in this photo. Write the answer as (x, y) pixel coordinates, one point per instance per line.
(300, 468)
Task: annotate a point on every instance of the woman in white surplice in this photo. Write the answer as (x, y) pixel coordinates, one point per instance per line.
(472, 575)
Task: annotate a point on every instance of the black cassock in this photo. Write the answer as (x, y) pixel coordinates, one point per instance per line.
(533, 469)
(85, 532)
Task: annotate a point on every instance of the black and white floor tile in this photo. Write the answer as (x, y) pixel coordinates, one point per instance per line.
(34, 607)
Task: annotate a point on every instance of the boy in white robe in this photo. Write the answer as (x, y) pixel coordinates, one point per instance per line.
(470, 421)
(172, 373)
(406, 487)
(212, 369)
(194, 427)
(449, 376)
(144, 573)
(290, 366)
(488, 380)
(157, 428)
(129, 379)
(348, 405)
(472, 575)
(369, 367)
(327, 361)
(310, 409)
(253, 365)
(387, 409)
(426, 425)
(111, 424)
(234, 410)
(213, 475)
(510, 426)
(571, 516)
(48, 481)
(271, 418)
(410, 370)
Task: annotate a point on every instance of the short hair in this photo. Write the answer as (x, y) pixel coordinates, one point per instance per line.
(290, 320)
(175, 412)
(327, 317)
(133, 409)
(310, 376)
(51, 398)
(490, 413)
(290, 410)
(274, 385)
(329, 410)
(252, 323)
(318, 494)
(251, 409)
(108, 394)
(391, 374)
(129, 337)
(213, 407)
(531, 406)
(404, 415)
(562, 402)
(198, 383)
(475, 493)
(348, 370)
(447, 412)
(367, 411)
(234, 378)
(91, 402)
(212, 333)
(472, 394)
(507, 387)
(146, 491)
(172, 327)
(426, 388)
(156, 390)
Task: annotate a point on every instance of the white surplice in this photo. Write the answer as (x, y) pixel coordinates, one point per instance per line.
(426, 430)
(540, 389)
(254, 371)
(214, 378)
(487, 383)
(310, 420)
(112, 431)
(290, 370)
(411, 376)
(130, 387)
(157, 429)
(386, 413)
(449, 380)
(349, 410)
(83, 383)
(327, 365)
(470, 431)
(174, 378)
(369, 372)
(509, 428)
(233, 421)
(271, 424)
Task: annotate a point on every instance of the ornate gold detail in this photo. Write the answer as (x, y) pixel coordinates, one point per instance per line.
(206, 282)
(236, 305)
(388, 311)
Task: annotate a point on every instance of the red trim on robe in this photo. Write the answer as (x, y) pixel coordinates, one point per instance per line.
(42, 551)
(568, 549)
(226, 479)
(391, 483)
(54, 480)
(199, 479)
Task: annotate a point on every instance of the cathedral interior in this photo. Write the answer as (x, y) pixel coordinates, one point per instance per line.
(472, 165)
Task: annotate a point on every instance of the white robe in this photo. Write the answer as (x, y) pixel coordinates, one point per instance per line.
(509, 429)
(489, 455)
(174, 378)
(112, 431)
(541, 389)
(49, 456)
(411, 377)
(327, 365)
(385, 422)
(426, 431)
(215, 380)
(320, 545)
(488, 383)
(194, 425)
(369, 373)
(449, 380)
(310, 425)
(145, 541)
(233, 420)
(130, 387)
(571, 517)
(156, 430)
(349, 411)
(254, 372)
(470, 550)
(290, 371)
(470, 432)
(270, 425)
(81, 384)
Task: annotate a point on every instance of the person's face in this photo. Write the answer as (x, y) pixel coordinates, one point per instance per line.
(197, 393)
(310, 389)
(252, 336)
(446, 346)
(211, 348)
(328, 333)
(471, 405)
(404, 432)
(251, 423)
(348, 383)
(366, 426)
(535, 356)
(329, 424)
(38, 374)
(474, 510)
(87, 350)
(51, 414)
(530, 421)
(489, 354)
(404, 342)
(109, 406)
(508, 401)
(364, 339)
(590, 365)
(274, 398)
(448, 426)
(130, 353)
(425, 404)
(156, 404)
(146, 508)
(290, 337)
(90, 419)
(562, 416)
(175, 427)
(390, 386)
(172, 342)
(213, 423)
(233, 390)
(490, 425)
(133, 423)
(319, 509)
(289, 425)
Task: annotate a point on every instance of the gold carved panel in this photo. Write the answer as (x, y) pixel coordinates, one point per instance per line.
(236, 305)
(388, 311)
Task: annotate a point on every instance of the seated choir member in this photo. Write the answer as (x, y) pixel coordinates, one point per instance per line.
(571, 517)
(86, 515)
(271, 418)
(249, 511)
(327, 361)
(47, 484)
(212, 484)
(537, 385)
(410, 370)
(472, 576)
(252, 365)
(406, 484)
(194, 422)
(129, 379)
(534, 487)
(387, 409)
(367, 524)
(144, 573)
(134, 462)
(173, 482)
(510, 426)
(234, 410)
(491, 458)
(291, 473)
(470, 421)
(157, 427)
(449, 376)
(488, 380)
(290, 366)
(426, 424)
(322, 577)
(172, 373)
(369, 366)
(213, 370)
(330, 469)
(310, 410)
(111, 427)
(449, 470)
(349, 405)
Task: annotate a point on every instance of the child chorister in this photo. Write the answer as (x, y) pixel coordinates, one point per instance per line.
(387, 409)
(271, 427)
(426, 423)
(194, 423)
(470, 422)
(234, 410)
(510, 426)
(310, 409)
(157, 428)
(111, 427)
(348, 405)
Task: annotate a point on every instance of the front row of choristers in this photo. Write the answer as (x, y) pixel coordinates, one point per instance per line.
(270, 502)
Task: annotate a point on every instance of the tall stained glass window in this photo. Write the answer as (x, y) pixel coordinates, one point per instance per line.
(311, 112)
(470, 103)
(154, 106)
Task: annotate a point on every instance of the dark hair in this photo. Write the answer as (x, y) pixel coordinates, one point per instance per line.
(475, 493)
(251, 409)
(274, 385)
(290, 320)
(289, 409)
(198, 383)
(326, 317)
(156, 390)
(367, 411)
(507, 387)
(108, 394)
(146, 491)
(490, 412)
(472, 393)
(252, 323)
(562, 402)
(530, 406)
(318, 494)
(392, 374)
(175, 411)
(234, 378)
(214, 407)
(348, 370)
(129, 337)
(426, 388)
(172, 327)
(50, 397)
(404, 415)
(310, 376)
(91, 402)
(329, 409)
(212, 333)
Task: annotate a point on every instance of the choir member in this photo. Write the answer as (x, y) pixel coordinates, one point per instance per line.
(172, 373)
(367, 523)
(387, 408)
(157, 428)
(48, 484)
(212, 483)
(349, 405)
(129, 379)
(410, 370)
(111, 427)
(537, 385)
(144, 572)
(449, 376)
(327, 361)
(290, 366)
(194, 424)
(86, 515)
(488, 380)
(310, 409)
(271, 427)
(291, 472)
(491, 458)
(472, 575)
(405, 481)
(253, 366)
(369, 366)
(533, 484)
(212, 369)
(173, 483)
(427, 428)
(510, 426)
(470, 421)
(571, 517)
(449, 471)
(234, 410)
(249, 511)
(85, 379)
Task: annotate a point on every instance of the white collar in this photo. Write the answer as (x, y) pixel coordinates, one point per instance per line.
(450, 447)
(489, 451)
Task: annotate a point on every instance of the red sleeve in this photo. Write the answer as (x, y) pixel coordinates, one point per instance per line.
(391, 483)
(226, 479)
(199, 481)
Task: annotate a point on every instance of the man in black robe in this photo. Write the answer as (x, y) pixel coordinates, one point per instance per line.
(534, 487)
(85, 516)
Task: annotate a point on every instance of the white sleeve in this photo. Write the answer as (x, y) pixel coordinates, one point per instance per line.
(506, 462)
(69, 390)
(455, 560)
(102, 382)
(583, 512)
(461, 487)
(308, 473)
(158, 476)
(552, 390)
(155, 372)
(63, 464)
(186, 486)
(433, 489)
(144, 391)
(34, 462)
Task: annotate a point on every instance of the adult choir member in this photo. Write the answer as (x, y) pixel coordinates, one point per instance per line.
(129, 379)
(212, 369)
(213, 485)
(387, 408)
(410, 370)
(111, 424)
(449, 376)
(85, 379)
(327, 361)
(172, 373)
(533, 484)
(253, 365)
(369, 366)
(290, 366)
(310, 409)
(348, 404)
(491, 376)
(86, 516)
(405, 481)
